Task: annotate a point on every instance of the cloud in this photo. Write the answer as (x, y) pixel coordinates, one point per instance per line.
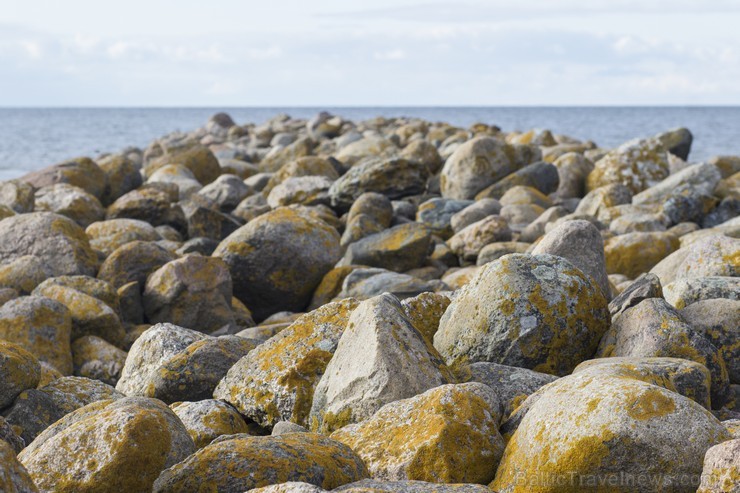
(390, 55)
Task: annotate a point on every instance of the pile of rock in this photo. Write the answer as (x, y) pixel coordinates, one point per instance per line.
(386, 305)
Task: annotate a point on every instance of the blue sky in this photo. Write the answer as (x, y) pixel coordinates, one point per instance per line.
(365, 53)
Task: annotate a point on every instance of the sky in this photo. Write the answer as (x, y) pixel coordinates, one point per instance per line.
(369, 53)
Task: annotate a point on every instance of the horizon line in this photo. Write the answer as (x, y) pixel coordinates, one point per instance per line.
(365, 106)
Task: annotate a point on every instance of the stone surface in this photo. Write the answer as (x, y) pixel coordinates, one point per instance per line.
(81, 172)
(70, 201)
(97, 359)
(637, 164)
(401, 248)
(644, 287)
(14, 478)
(687, 291)
(209, 419)
(468, 242)
(107, 236)
(721, 472)
(398, 363)
(24, 273)
(537, 312)
(134, 261)
(633, 254)
(719, 321)
(19, 370)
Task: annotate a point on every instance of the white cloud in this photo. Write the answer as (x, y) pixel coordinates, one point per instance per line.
(32, 49)
(268, 53)
(390, 55)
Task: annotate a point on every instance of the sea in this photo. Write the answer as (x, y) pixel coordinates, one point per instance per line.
(33, 138)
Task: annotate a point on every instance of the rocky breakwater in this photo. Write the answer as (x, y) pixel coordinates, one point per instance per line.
(386, 305)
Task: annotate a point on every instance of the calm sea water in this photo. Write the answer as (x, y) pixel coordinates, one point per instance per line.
(31, 138)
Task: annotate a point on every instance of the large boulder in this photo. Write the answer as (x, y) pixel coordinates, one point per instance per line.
(401, 248)
(276, 381)
(17, 195)
(19, 371)
(469, 241)
(637, 164)
(134, 262)
(718, 320)
(278, 259)
(721, 472)
(198, 159)
(119, 445)
(14, 478)
(633, 254)
(209, 419)
(448, 434)
(239, 463)
(107, 236)
(538, 312)
(57, 240)
(592, 431)
(70, 201)
(397, 363)
(81, 172)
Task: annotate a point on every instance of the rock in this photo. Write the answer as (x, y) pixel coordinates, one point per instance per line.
(424, 152)
(538, 312)
(600, 200)
(150, 204)
(540, 176)
(208, 419)
(392, 177)
(594, 431)
(715, 255)
(573, 169)
(70, 201)
(290, 487)
(718, 320)
(519, 216)
(701, 178)
(633, 254)
(24, 273)
(398, 364)
(14, 478)
(81, 172)
(677, 142)
(305, 190)
(512, 384)
(324, 125)
(90, 316)
(227, 191)
(469, 241)
(42, 327)
(8, 436)
(276, 381)
(280, 155)
(410, 487)
(637, 164)
(644, 287)
(494, 251)
(56, 240)
(653, 328)
(519, 195)
(198, 159)
(269, 272)
(688, 378)
(478, 210)
(19, 371)
(539, 226)
(364, 283)
(424, 312)
(285, 427)
(721, 468)
(476, 164)
(95, 358)
(193, 291)
(150, 351)
(18, 195)
(303, 166)
(240, 463)
(437, 213)
(401, 248)
(193, 373)
(363, 148)
(448, 434)
(107, 236)
(177, 175)
(122, 176)
(133, 261)
(121, 444)
(687, 291)
(35, 410)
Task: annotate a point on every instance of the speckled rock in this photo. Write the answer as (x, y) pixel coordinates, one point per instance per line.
(8, 436)
(715, 255)
(371, 146)
(520, 194)
(364, 283)
(537, 312)
(134, 261)
(276, 381)
(701, 178)
(448, 434)
(392, 177)
(330, 286)
(70, 201)
(398, 363)
(290, 487)
(227, 191)
(192, 291)
(573, 169)
(303, 166)
(151, 204)
(436, 214)
(468, 242)
(653, 328)
(424, 312)
(36, 409)
(107, 236)
(719, 320)
(401, 248)
(644, 287)
(97, 359)
(57, 240)
(305, 190)
(81, 172)
(122, 176)
(199, 160)
(17, 195)
(480, 209)
(209, 419)
(279, 155)
(632, 254)
(277, 260)
(511, 384)
(593, 429)
(540, 176)
(368, 485)
(240, 463)
(42, 327)
(90, 316)
(14, 478)
(598, 201)
(121, 445)
(687, 291)
(91, 286)
(19, 370)
(285, 427)
(153, 348)
(581, 244)
(637, 164)
(476, 164)
(721, 472)
(24, 273)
